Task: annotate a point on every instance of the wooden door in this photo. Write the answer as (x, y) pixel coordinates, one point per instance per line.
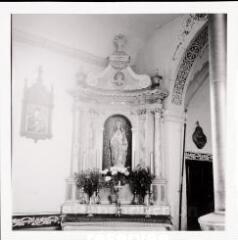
(200, 196)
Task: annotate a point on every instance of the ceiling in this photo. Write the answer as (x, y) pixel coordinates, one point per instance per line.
(93, 33)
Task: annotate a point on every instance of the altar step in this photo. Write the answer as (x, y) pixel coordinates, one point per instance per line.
(113, 222)
(125, 209)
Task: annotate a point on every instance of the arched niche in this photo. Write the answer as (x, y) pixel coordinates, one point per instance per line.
(110, 126)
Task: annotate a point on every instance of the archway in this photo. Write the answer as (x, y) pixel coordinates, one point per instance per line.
(186, 64)
(110, 126)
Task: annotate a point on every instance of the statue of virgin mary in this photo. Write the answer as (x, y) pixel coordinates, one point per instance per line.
(119, 146)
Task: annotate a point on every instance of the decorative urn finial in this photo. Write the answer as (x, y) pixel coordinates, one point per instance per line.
(155, 79)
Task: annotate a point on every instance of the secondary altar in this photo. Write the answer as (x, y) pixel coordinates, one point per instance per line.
(117, 122)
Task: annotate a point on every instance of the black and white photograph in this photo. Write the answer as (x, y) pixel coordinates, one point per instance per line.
(118, 122)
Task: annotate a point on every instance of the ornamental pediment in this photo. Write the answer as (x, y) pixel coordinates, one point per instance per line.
(118, 83)
(118, 75)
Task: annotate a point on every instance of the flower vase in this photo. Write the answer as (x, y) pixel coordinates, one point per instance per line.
(151, 195)
(117, 190)
(97, 198)
(135, 199)
(147, 204)
(141, 199)
(112, 197)
(82, 198)
(147, 198)
(90, 202)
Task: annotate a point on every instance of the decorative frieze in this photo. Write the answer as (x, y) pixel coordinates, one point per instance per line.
(33, 221)
(187, 26)
(198, 156)
(189, 58)
(139, 97)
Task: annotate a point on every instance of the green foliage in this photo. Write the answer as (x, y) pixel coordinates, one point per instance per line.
(141, 180)
(89, 180)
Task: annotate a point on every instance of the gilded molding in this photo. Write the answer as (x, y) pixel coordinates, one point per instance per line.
(187, 62)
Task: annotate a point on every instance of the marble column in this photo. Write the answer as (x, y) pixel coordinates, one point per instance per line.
(133, 160)
(158, 164)
(71, 183)
(159, 183)
(141, 135)
(172, 146)
(217, 63)
(149, 136)
(75, 141)
(100, 146)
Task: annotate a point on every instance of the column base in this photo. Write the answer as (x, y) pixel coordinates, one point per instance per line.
(71, 189)
(213, 221)
(159, 192)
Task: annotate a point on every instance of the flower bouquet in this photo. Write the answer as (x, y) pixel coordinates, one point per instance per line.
(89, 181)
(140, 182)
(114, 178)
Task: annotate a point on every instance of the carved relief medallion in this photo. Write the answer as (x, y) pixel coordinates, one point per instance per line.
(119, 80)
(199, 138)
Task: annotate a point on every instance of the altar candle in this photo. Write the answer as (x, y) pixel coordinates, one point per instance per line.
(134, 157)
(151, 163)
(84, 155)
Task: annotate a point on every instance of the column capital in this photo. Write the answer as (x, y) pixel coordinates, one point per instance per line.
(76, 98)
(133, 129)
(158, 112)
(159, 180)
(71, 180)
(141, 111)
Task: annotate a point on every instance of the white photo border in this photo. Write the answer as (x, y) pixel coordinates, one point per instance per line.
(231, 8)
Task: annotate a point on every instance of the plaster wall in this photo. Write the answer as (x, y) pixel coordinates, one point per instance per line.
(39, 169)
